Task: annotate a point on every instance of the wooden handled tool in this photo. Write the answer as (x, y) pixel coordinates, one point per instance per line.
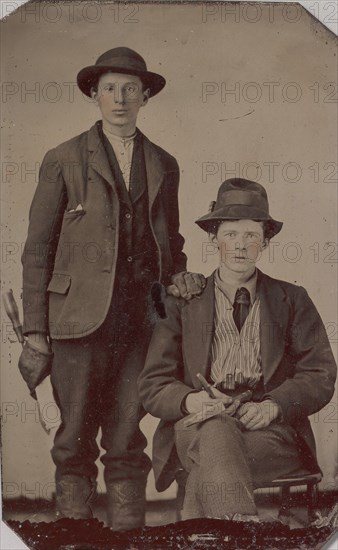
(44, 392)
(12, 311)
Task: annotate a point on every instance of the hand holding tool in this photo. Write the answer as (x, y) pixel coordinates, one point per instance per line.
(34, 367)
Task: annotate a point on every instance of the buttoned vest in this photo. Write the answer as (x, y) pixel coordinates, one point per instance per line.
(137, 262)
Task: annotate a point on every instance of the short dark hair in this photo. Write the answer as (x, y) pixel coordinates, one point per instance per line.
(267, 233)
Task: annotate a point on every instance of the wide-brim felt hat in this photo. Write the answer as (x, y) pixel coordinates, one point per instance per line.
(119, 60)
(240, 199)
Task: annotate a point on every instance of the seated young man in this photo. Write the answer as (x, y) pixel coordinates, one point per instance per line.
(246, 331)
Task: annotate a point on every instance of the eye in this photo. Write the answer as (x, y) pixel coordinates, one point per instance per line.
(131, 88)
(253, 236)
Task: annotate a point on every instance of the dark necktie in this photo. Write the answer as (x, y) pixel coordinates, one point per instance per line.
(241, 307)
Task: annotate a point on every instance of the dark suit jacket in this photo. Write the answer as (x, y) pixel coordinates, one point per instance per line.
(70, 255)
(297, 363)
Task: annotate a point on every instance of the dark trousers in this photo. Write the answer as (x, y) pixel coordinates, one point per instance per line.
(94, 381)
(226, 463)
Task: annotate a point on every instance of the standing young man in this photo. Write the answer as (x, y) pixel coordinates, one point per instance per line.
(247, 332)
(104, 226)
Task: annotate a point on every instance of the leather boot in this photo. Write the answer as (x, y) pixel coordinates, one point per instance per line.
(126, 504)
(73, 494)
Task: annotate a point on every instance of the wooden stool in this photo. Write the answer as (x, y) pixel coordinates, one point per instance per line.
(283, 483)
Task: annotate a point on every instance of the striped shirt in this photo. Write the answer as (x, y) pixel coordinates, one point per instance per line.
(232, 352)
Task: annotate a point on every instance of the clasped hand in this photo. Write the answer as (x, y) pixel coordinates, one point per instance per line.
(197, 402)
(252, 415)
(255, 416)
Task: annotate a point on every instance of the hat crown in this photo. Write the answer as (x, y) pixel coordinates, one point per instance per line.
(240, 199)
(239, 191)
(120, 60)
(122, 57)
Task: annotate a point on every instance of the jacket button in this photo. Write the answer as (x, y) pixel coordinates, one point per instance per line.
(128, 215)
(129, 259)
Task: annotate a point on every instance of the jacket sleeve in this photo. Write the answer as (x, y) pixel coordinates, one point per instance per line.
(161, 384)
(311, 385)
(45, 219)
(176, 241)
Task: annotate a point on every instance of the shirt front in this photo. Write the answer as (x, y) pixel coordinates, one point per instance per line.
(123, 149)
(236, 354)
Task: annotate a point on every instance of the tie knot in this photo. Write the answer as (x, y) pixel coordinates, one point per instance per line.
(242, 296)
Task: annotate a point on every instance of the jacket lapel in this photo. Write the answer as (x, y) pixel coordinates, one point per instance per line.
(98, 159)
(198, 329)
(154, 169)
(273, 323)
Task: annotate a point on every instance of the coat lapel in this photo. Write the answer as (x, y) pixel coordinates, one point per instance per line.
(273, 323)
(98, 158)
(99, 162)
(198, 329)
(154, 169)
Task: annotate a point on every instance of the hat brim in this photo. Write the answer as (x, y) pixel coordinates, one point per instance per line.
(239, 212)
(88, 77)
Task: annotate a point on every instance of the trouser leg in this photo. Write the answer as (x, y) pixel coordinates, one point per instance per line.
(225, 463)
(77, 374)
(272, 453)
(126, 464)
(95, 378)
(219, 482)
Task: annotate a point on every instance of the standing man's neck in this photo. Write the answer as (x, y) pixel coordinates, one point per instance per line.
(121, 131)
(233, 278)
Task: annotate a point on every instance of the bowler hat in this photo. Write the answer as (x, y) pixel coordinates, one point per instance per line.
(241, 199)
(119, 60)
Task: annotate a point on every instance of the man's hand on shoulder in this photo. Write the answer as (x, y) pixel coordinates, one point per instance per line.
(186, 285)
(255, 416)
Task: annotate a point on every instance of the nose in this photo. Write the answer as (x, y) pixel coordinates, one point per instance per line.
(240, 243)
(119, 95)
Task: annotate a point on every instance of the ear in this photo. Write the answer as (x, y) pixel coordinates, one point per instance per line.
(213, 239)
(146, 94)
(265, 243)
(93, 94)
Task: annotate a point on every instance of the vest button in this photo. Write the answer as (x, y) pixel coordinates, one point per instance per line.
(128, 215)
(129, 259)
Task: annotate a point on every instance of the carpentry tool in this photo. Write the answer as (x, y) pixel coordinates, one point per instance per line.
(49, 413)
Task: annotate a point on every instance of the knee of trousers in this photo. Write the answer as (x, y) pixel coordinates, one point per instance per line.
(221, 431)
(220, 425)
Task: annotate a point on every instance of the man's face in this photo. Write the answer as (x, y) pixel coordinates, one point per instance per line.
(120, 97)
(240, 244)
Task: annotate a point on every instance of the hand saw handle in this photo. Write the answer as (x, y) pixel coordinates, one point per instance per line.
(13, 313)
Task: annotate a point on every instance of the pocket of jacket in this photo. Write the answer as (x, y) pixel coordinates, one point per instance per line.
(59, 283)
(74, 214)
